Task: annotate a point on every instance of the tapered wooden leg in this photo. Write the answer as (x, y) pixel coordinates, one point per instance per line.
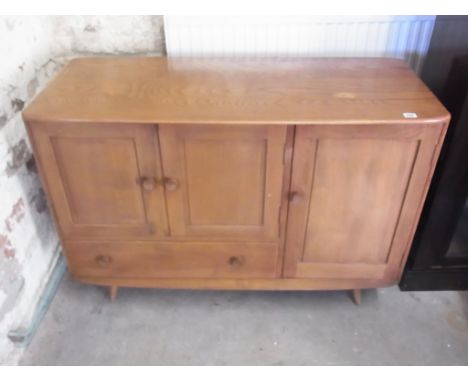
(113, 292)
(356, 293)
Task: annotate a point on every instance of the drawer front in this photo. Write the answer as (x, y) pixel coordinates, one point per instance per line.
(172, 259)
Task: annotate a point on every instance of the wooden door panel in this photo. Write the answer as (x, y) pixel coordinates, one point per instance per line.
(104, 182)
(358, 190)
(229, 179)
(238, 165)
(94, 174)
(355, 188)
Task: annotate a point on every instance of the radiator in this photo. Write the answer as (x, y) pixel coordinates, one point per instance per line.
(405, 37)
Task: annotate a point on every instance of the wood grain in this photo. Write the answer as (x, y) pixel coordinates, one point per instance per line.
(241, 174)
(172, 260)
(94, 177)
(355, 189)
(279, 91)
(229, 179)
(238, 284)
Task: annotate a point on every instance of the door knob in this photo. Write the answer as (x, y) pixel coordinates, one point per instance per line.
(235, 261)
(171, 184)
(295, 196)
(148, 184)
(103, 260)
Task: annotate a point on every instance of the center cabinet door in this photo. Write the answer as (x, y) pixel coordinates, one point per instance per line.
(223, 181)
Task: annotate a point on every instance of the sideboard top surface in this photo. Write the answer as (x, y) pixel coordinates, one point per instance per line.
(260, 91)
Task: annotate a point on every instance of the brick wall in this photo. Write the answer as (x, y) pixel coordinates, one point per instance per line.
(33, 49)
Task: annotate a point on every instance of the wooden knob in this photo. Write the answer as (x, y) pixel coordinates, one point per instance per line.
(148, 184)
(171, 184)
(294, 196)
(235, 261)
(103, 260)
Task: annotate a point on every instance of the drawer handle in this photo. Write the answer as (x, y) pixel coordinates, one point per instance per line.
(148, 184)
(103, 260)
(236, 261)
(171, 184)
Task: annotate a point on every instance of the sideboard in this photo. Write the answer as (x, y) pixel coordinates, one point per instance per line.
(260, 174)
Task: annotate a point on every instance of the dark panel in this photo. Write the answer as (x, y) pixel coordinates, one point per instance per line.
(449, 40)
(439, 256)
(436, 279)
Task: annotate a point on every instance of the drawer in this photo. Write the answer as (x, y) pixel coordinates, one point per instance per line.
(172, 259)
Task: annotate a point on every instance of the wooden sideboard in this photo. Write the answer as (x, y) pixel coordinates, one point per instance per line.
(274, 174)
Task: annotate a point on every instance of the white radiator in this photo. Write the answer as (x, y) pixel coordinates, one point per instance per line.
(404, 37)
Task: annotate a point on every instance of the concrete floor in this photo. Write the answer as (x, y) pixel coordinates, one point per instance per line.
(162, 327)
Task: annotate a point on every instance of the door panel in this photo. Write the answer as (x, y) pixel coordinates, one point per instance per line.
(230, 165)
(224, 181)
(95, 173)
(105, 182)
(356, 194)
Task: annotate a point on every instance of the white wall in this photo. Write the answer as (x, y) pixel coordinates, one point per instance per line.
(404, 37)
(33, 49)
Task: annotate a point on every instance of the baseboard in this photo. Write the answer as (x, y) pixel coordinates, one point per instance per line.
(23, 335)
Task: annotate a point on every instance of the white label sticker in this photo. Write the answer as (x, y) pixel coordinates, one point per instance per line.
(410, 115)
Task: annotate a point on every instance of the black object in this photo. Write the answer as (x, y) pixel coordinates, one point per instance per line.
(439, 255)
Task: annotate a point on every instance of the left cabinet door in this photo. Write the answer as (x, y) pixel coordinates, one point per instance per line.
(102, 179)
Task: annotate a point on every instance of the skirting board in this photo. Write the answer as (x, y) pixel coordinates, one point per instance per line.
(23, 335)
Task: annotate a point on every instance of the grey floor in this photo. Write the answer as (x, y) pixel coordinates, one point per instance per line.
(162, 327)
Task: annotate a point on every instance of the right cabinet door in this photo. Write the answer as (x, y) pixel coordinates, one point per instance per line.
(355, 197)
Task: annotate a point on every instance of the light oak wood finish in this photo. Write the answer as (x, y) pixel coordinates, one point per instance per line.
(278, 91)
(95, 176)
(295, 174)
(229, 179)
(355, 191)
(285, 284)
(172, 259)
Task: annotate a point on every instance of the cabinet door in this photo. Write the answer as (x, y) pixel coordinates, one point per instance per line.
(223, 181)
(356, 194)
(102, 178)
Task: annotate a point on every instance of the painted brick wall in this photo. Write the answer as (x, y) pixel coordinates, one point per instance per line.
(33, 49)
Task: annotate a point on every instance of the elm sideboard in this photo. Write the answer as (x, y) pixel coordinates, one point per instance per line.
(266, 174)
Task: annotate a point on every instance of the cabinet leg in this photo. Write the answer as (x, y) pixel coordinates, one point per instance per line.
(113, 292)
(356, 294)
